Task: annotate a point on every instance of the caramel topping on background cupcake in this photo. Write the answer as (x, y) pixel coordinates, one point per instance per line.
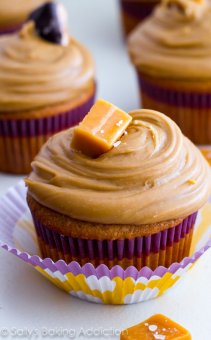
(188, 8)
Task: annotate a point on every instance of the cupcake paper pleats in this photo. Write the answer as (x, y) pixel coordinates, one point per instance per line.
(97, 284)
(163, 248)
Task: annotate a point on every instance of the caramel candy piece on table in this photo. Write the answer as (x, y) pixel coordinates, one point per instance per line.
(157, 327)
(100, 129)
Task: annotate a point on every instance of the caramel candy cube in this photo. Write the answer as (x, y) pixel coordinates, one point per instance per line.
(157, 327)
(100, 129)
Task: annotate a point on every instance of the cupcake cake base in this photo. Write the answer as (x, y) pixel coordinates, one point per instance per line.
(161, 244)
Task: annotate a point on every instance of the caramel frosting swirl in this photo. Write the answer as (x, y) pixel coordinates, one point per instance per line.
(16, 11)
(154, 175)
(174, 41)
(35, 73)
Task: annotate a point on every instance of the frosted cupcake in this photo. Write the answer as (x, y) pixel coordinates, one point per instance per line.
(135, 11)
(46, 85)
(14, 14)
(172, 52)
(135, 204)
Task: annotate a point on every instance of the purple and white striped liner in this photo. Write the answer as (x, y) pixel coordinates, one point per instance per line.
(114, 251)
(13, 205)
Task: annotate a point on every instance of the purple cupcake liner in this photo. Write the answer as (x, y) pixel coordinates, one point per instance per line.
(21, 139)
(193, 100)
(115, 251)
(138, 9)
(191, 110)
(10, 30)
(45, 126)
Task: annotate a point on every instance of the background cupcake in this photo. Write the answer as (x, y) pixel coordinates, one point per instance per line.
(135, 11)
(133, 205)
(13, 15)
(46, 85)
(172, 52)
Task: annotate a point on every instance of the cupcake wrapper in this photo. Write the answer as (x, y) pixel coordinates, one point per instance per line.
(190, 110)
(44, 126)
(163, 248)
(10, 30)
(176, 98)
(97, 284)
(21, 139)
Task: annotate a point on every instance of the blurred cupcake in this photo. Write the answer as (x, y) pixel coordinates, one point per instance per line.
(134, 205)
(13, 15)
(135, 11)
(171, 52)
(46, 85)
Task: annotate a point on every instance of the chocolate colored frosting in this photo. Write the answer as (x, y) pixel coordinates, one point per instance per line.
(35, 73)
(13, 12)
(155, 174)
(175, 41)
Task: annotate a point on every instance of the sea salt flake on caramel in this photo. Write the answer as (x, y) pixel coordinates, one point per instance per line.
(156, 327)
(101, 129)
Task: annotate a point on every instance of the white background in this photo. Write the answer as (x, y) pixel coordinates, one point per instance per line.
(28, 300)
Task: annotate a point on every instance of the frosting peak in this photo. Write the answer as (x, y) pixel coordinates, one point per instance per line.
(35, 73)
(155, 174)
(171, 43)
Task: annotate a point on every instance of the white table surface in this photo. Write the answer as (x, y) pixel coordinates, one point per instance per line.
(28, 302)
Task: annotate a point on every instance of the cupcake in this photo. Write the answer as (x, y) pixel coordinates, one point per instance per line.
(171, 52)
(135, 11)
(46, 85)
(12, 16)
(135, 204)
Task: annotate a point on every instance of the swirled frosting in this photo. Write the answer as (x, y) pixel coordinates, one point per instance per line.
(16, 11)
(174, 41)
(155, 174)
(35, 73)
